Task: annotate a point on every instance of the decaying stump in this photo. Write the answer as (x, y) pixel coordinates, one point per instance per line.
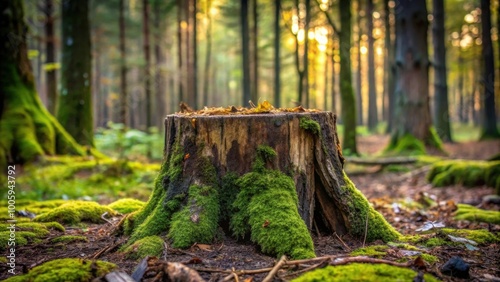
(211, 159)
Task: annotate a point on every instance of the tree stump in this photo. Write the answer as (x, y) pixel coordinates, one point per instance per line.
(219, 169)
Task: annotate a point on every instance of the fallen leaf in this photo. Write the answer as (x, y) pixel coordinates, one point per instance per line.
(204, 247)
(266, 223)
(428, 225)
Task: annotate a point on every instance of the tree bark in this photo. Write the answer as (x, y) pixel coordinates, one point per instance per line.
(245, 42)
(255, 51)
(346, 92)
(208, 53)
(277, 59)
(160, 63)
(147, 66)
(372, 85)
(50, 49)
(441, 108)
(489, 122)
(28, 130)
(412, 119)
(218, 151)
(359, 91)
(389, 67)
(123, 67)
(305, 76)
(75, 109)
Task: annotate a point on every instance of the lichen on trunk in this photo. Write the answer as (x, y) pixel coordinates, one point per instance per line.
(266, 177)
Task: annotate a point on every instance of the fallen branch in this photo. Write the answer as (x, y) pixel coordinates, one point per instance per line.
(108, 249)
(383, 162)
(312, 267)
(347, 260)
(414, 173)
(275, 269)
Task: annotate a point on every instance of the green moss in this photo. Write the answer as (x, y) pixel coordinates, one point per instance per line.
(480, 236)
(435, 242)
(147, 246)
(54, 225)
(429, 258)
(359, 207)
(69, 239)
(372, 251)
(74, 212)
(61, 270)
(396, 168)
(26, 232)
(310, 125)
(126, 205)
(361, 272)
(196, 221)
(467, 173)
(405, 145)
(470, 213)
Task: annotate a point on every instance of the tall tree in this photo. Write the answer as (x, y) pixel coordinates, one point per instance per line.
(160, 81)
(28, 130)
(208, 51)
(277, 59)
(489, 125)
(412, 120)
(192, 61)
(359, 93)
(255, 50)
(372, 85)
(306, 52)
(441, 108)
(50, 59)
(75, 109)
(389, 72)
(123, 66)
(346, 91)
(147, 65)
(245, 41)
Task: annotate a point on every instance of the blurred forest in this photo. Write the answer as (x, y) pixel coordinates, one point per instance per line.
(147, 56)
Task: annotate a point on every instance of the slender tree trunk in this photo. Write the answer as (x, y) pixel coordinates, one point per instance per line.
(75, 110)
(306, 52)
(193, 54)
(347, 94)
(441, 108)
(389, 67)
(208, 53)
(181, 49)
(359, 93)
(413, 119)
(277, 59)
(489, 126)
(123, 68)
(160, 81)
(372, 85)
(147, 59)
(255, 51)
(50, 61)
(245, 51)
(461, 96)
(334, 83)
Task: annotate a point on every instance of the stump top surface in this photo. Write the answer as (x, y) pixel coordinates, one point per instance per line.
(262, 110)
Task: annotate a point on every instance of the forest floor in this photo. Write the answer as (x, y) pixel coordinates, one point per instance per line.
(384, 189)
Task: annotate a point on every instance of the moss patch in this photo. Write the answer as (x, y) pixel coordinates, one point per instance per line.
(372, 251)
(74, 212)
(470, 213)
(361, 272)
(467, 173)
(378, 227)
(127, 205)
(61, 270)
(147, 246)
(69, 239)
(26, 232)
(196, 221)
(405, 145)
(266, 208)
(310, 125)
(480, 236)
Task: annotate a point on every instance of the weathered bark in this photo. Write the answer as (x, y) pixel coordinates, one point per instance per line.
(412, 120)
(489, 121)
(277, 59)
(28, 130)
(372, 85)
(75, 108)
(208, 151)
(441, 108)
(346, 92)
(50, 50)
(123, 113)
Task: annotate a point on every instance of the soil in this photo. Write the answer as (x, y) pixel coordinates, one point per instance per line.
(381, 188)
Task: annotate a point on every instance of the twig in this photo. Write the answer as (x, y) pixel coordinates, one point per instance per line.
(165, 250)
(413, 173)
(275, 269)
(316, 228)
(342, 241)
(231, 276)
(108, 249)
(318, 265)
(105, 219)
(347, 260)
(366, 228)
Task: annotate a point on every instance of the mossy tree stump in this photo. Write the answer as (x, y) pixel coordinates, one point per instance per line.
(271, 176)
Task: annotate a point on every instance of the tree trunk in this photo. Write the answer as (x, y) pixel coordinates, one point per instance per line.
(50, 62)
(441, 108)
(270, 176)
(489, 124)
(160, 80)
(181, 50)
(208, 53)
(413, 123)
(359, 91)
(75, 109)
(389, 67)
(28, 130)
(192, 53)
(372, 85)
(123, 67)
(277, 59)
(255, 51)
(147, 66)
(461, 95)
(346, 92)
(305, 75)
(245, 41)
